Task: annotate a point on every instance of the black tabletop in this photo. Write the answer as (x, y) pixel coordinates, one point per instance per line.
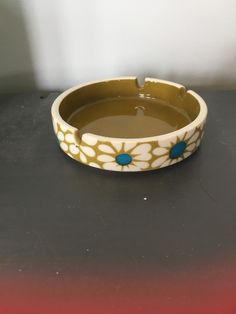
(57, 215)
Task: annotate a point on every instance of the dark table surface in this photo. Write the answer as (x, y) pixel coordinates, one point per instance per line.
(62, 219)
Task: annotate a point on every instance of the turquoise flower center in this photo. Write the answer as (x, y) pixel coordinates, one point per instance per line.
(123, 159)
(177, 150)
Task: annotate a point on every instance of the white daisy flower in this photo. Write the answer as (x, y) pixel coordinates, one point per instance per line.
(172, 151)
(68, 144)
(125, 156)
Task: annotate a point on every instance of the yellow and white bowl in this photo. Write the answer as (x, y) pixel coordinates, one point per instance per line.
(118, 125)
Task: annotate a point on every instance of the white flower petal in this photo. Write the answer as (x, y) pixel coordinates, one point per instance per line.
(193, 138)
(64, 146)
(89, 139)
(55, 127)
(133, 168)
(60, 136)
(111, 166)
(198, 142)
(106, 148)
(189, 134)
(63, 127)
(117, 146)
(146, 156)
(180, 137)
(93, 164)
(190, 147)
(129, 145)
(141, 164)
(88, 151)
(141, 149)
(160, 151)
(105, 158)
(166, 143)
(186, 154)
(202, 126)
(159, 161)
(74, 149)
(202, 134)
(69, 138)
(82, 157)
(174, 161)
(166, 163)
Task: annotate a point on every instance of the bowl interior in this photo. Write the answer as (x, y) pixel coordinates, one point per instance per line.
(122, 108)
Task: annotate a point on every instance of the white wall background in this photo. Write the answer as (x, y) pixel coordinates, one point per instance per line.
(54, 44)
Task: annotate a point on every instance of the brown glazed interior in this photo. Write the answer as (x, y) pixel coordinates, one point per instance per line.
(120, 108)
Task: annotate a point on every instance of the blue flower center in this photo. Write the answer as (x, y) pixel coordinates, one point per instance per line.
(123, 159)
(177, 150)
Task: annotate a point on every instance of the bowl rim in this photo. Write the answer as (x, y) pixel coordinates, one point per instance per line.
(193, 124)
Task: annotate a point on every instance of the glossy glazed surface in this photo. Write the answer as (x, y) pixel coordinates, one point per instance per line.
(129, 117)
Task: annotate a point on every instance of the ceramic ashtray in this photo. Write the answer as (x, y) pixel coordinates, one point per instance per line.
(118, 125)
